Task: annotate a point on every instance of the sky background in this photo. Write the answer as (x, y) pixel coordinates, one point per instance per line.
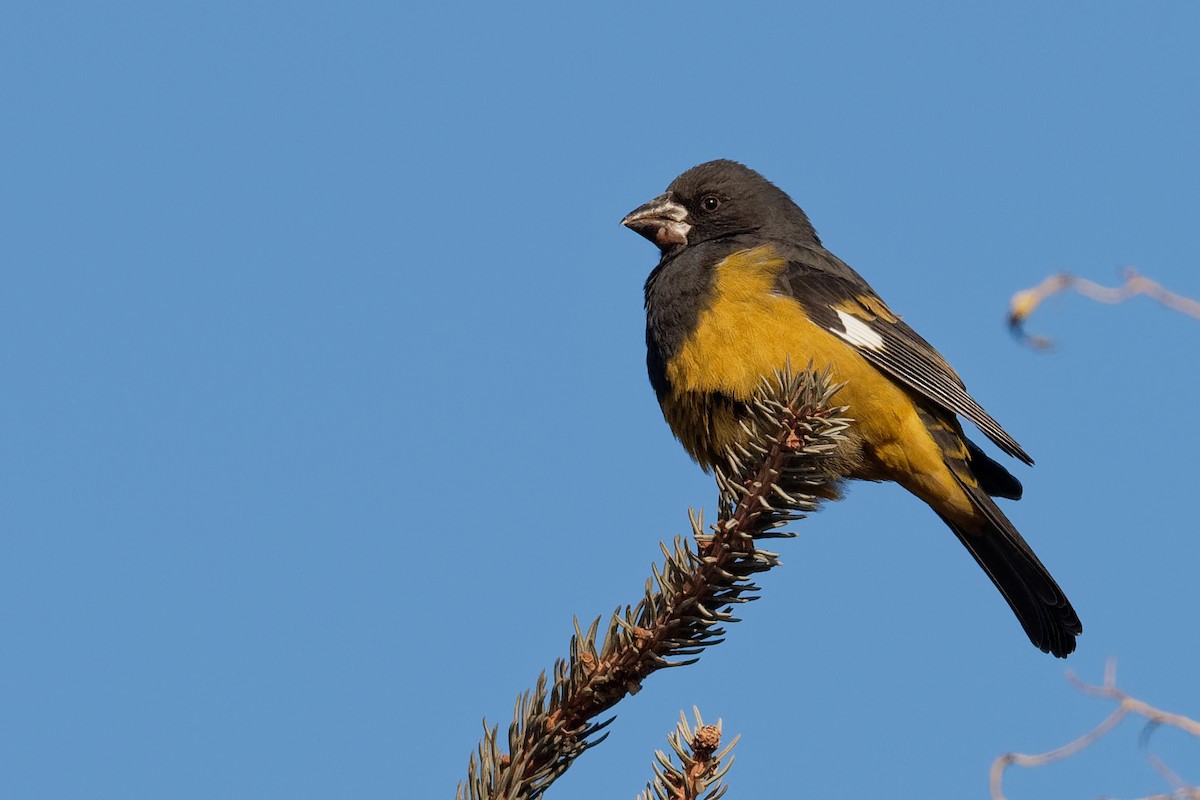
(324, 405)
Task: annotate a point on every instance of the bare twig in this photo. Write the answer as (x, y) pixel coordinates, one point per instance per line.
(1126, 705)
(1025, 302)
(791, 428)
(701, 768)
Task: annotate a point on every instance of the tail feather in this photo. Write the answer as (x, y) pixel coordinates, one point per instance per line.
(992, 476)
(1032, 593)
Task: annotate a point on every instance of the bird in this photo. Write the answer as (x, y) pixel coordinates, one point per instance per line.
(743, 287)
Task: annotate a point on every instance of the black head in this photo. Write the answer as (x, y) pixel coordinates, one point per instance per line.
(718, 199)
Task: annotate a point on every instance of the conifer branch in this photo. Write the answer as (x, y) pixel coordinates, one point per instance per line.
(791, 428)
(700, 767)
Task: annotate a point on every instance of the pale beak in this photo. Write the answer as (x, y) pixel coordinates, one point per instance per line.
(662, 221)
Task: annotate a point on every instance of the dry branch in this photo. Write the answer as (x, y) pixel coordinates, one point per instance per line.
(1025, 302)
(1126, 705)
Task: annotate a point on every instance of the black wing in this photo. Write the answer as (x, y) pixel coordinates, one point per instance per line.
(838, 299)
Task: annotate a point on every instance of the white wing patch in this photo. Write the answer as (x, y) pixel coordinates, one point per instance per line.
(858, 333)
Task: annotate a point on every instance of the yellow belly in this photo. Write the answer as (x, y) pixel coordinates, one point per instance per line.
(750, 331)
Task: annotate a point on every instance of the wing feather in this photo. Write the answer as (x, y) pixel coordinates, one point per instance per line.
(837, 298)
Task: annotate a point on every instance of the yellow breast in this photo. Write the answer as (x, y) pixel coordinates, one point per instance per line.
(749, 330)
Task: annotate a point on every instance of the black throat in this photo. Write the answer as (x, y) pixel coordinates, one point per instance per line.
(677, 291)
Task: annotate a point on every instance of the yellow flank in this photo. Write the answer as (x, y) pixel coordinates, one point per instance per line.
(750, 331)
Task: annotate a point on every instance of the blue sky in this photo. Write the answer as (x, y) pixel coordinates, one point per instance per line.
(325, 407)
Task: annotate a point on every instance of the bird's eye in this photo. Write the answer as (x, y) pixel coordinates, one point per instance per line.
(710, 202)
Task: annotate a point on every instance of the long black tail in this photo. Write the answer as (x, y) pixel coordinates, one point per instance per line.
(1031, 592)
